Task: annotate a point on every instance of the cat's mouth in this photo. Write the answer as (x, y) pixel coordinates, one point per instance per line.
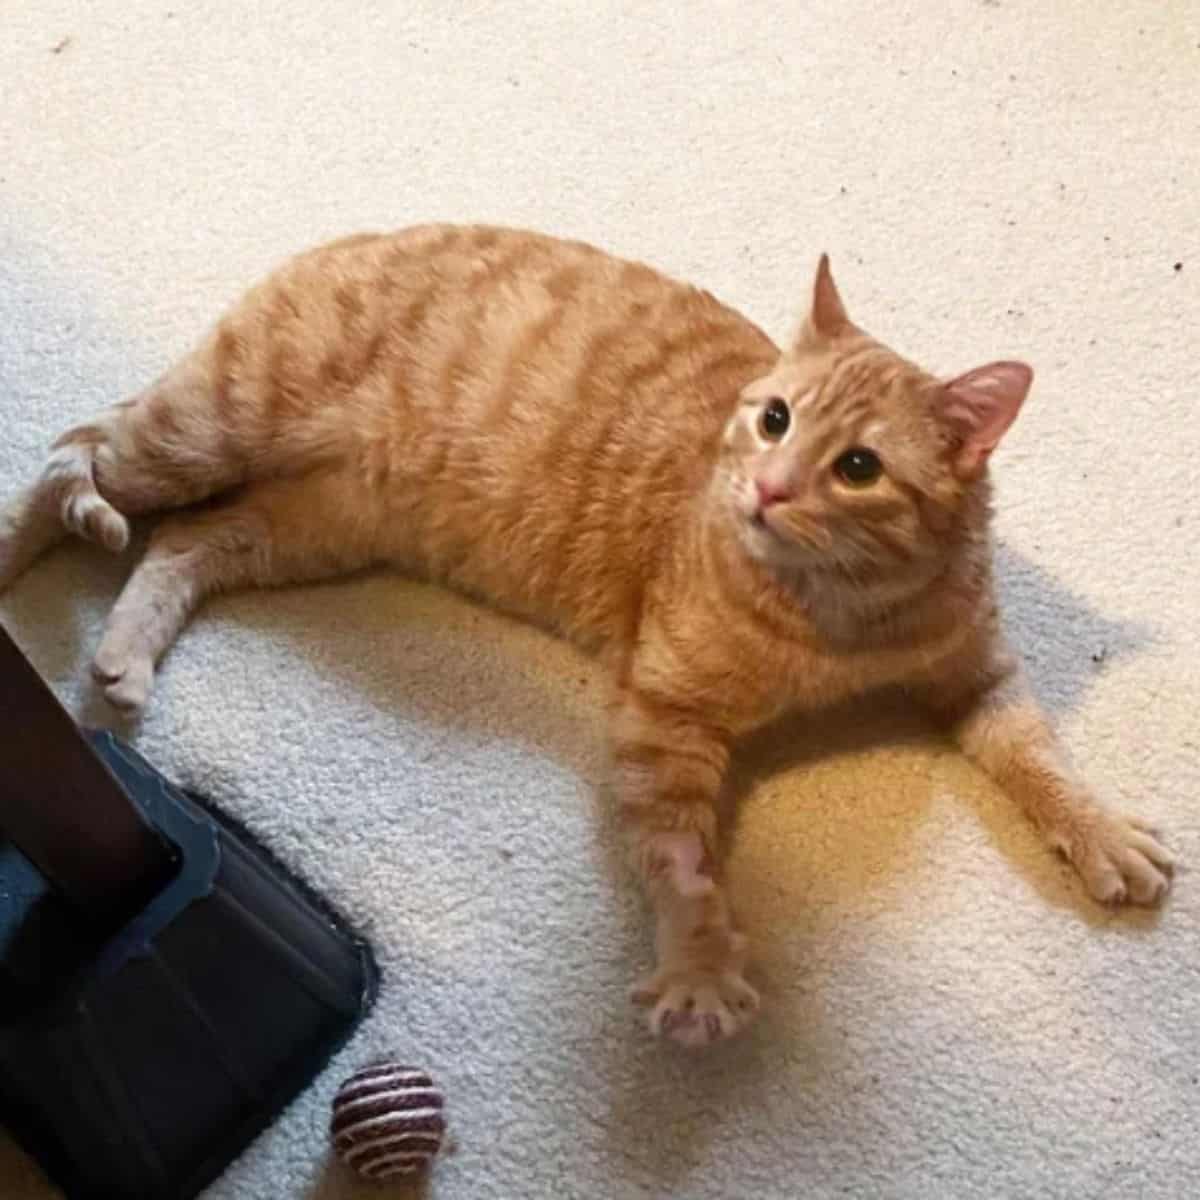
(761, 519)
(789, 535)
(765, 533)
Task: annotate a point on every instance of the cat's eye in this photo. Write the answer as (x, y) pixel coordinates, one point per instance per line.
(858, 467)
(775, 420)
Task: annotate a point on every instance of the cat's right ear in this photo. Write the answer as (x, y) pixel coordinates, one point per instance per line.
(978, 408)
(827, 314)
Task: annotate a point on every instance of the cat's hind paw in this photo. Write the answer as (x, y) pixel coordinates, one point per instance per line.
(696, 1006)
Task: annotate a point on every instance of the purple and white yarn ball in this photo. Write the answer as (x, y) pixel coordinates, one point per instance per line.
(387, 1120)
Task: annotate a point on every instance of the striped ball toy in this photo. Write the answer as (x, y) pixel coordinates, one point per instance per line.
(387, 1120)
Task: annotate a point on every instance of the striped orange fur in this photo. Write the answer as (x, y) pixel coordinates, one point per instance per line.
(736, 529)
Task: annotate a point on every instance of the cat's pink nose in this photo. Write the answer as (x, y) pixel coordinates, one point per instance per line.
(771, 493)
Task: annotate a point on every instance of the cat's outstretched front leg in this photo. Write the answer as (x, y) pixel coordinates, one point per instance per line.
(995, 719)
(670, 765)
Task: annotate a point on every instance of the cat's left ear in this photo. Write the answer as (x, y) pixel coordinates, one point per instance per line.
(979, 407)
(826, 316)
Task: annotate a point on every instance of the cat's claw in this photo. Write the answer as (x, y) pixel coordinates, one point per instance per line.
(695, 1006)
(1119, 859)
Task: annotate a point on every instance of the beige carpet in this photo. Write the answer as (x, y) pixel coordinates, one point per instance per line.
(945, 1014)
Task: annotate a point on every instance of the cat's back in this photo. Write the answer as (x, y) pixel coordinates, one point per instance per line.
(532, 413)
(483, 315)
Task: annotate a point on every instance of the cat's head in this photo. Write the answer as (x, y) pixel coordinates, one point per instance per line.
(849, 458)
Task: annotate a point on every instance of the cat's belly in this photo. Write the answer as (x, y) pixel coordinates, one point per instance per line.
(585, 587)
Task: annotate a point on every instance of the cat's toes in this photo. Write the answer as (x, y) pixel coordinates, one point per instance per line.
(695, 1006)
(127, 682)
(109, 664)
(132, 690)
(1120, 860)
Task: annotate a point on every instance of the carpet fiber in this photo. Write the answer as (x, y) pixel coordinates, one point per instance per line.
(945, 1014)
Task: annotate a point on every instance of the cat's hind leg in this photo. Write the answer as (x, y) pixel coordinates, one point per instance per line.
(270, 533)
(65, 499)
(188, 436)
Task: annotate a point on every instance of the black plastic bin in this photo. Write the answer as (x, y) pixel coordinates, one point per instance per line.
(137, 1064)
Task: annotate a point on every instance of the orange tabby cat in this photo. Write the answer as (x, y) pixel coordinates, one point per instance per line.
(581, 440)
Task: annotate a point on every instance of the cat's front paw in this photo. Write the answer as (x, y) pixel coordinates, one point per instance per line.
(1119, 858)
(126, 678)
(697, 1005)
